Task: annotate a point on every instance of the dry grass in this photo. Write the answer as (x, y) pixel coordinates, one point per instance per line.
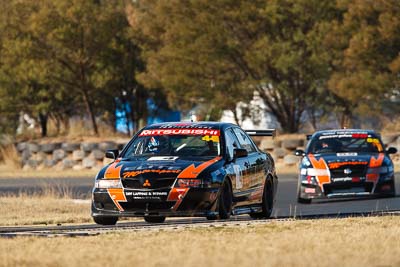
(44, 209)
(343, 242)
(10, 157)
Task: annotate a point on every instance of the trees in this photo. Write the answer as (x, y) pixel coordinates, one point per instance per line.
(65, 57)
(224, 50)
(365, 47)
(62, 57)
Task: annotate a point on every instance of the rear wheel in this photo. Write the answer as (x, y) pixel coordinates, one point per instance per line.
(154, 219)
(267, 202)
(105, 220)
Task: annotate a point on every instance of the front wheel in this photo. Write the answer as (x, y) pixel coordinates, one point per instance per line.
(154, 219)
(105, 220)
(224, 201)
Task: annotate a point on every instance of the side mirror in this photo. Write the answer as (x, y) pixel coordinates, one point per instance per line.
(299, 153)
(239, 153)
(391, 150)
(112, 153)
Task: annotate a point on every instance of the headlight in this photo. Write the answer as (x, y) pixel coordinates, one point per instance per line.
(317, 172)
(108, 183)
(188, 182)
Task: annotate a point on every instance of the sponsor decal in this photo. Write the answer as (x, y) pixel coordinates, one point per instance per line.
(192, 171)
(113, 172)
(177, 131)
(214, 138)
(335, 165)
(146, 195)
(346, 154)
(309, 190)
(131, 174)
(320, 165)
(162, 158)
(117, 195)
(185, 125)
(329, 135)
(376, 143)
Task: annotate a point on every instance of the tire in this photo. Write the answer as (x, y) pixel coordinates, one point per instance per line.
(212, 217)
(154, 219)
(392, 193)
(105, 220)
(267, 202)
(224, 202)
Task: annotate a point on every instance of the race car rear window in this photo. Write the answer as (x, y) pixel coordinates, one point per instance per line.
(358, 142)
(176, 142)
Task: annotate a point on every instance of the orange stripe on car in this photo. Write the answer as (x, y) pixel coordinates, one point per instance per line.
(320, 165)
(113, 172)
(192, 171)
(117, 195)
(375, 163)
(177, 194)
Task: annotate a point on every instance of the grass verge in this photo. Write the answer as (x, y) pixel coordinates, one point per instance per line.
(371, 241)
(42, 210)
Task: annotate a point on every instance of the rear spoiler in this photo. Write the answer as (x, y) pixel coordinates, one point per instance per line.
(267, 132)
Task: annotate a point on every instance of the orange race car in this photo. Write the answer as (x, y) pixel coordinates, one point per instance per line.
(345, 163)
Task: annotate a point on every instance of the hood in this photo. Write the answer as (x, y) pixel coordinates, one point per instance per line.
(155, 167)
(338, 160)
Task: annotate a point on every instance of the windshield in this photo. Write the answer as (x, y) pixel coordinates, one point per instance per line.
(199, 143)
(345, 143)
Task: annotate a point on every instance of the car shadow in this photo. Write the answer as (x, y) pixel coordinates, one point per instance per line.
(350, 199)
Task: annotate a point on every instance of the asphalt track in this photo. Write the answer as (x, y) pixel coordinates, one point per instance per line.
(285, 206)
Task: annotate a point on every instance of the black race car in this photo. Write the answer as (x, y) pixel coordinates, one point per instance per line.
(345, 163)
(208, 169)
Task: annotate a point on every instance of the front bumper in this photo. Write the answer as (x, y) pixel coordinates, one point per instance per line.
(138, 203)
(347, 189)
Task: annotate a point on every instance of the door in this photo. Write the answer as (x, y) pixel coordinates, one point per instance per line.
(238, 169)
(255, 177)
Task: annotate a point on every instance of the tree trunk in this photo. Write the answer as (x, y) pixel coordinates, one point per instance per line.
(43, 118)
(89, 110)
(235, 116)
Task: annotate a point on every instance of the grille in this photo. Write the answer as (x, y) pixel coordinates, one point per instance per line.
(151, 206)
(356, 171)
(155, 183)
(349, 186)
